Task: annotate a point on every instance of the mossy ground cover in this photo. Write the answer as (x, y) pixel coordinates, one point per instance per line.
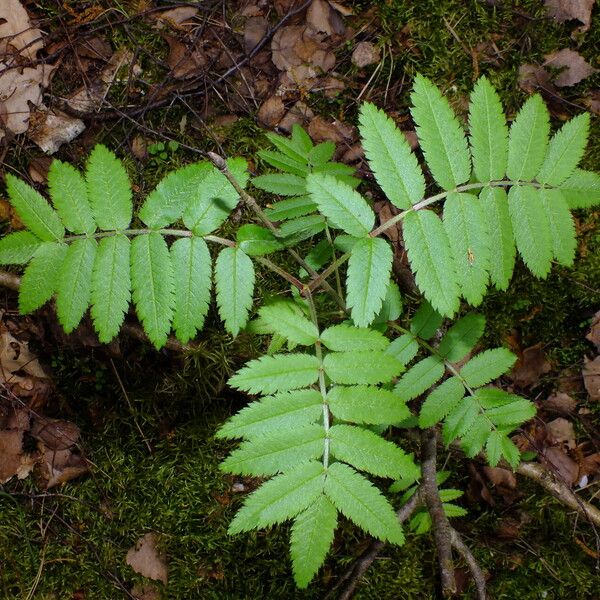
(76, 538)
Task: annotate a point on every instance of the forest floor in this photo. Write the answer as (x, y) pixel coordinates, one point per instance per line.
(147, 419)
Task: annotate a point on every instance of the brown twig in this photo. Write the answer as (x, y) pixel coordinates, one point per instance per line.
(478, 577)
(440, 524)
(351, 578)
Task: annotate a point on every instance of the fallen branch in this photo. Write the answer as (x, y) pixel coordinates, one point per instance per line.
(439, 521)
(350, 579)
(478, 577)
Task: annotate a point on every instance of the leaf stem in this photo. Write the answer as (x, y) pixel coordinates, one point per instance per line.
(322, 385)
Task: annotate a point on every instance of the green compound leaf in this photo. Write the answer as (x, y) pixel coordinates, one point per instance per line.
(69, 195)
(109, 189)
(40, 280)
(460, 420)
(345, 337)
(467, 231)
(345, 208)
(531, 228)
(511, 414)
(441, 402)
(487, 366)
(255, 240)
(478, 435)
(17, 248)
(234, 280)
(166, 203)
(33, 210)
(311, 538)
(279, 373)
(292, 148)
(291, 208)
(192, 270)
(361, 502)
(111, 286)
(369, 452)
(366, 404)
(215, 198)
(322, 153)
(280, 499)
(500, 446)
(75, 283)
(283, 184)
(431, 260)
(565, 150)
(562, 227)
(153, 288)
(275, 452)
(528, 140)
(488, 132)
(403, 348)
(289, 323)
(582, 189)
(501, 238)
(284, 163)
(361, 367)
(426, 321)
(393, 163)
(284, 411)
(420, 377)
(368, 278)
(462, 337)
(440, 134)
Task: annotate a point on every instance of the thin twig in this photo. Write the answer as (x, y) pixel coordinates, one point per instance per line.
(478, 577)
(440, 524)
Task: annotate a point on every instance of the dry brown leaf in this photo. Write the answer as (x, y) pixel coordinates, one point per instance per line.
(55, 434)
(15, 356)
(178, 18)
(561, 431)
(184, 62)
(533, 77)
(365, 54)
(254, 31)
(38, 169)
(144, 558)
(532, 364)
(345, 11)
(571, 10)
(592, 101)
(20, 87)
(501, 477)
(271, 111)
(11, 452)
(323, 19)
(51, 129)
(16, 32)
(591, 377)
(560, 403)
(145, 592)
(573, 67)
(593, 335)
(60, 466)
(558, 461)
(300, 113)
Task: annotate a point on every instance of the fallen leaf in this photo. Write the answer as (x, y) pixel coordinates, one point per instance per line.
(144, 558)
(591, 377)
(56, 434)
(571, 10)
(561, 403)
(184, 62)
(254, 31)
(60, 466)
(16, 31)
(532, 364)
(573, 67)
(178, 18)
(321, 130)
(300, 113)
(11, 452)
(561, 431)
(15, 356)
(145, 592)
(53, 128)
(271, 111)
(38, 169)
(501, 477)
(563, 465)
(592, 101)
(593, 335)
(365, 54)
(322, 18)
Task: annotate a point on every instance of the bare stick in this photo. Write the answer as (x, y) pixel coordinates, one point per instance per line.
(349, 581)
(478, 577)
(440, 524)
